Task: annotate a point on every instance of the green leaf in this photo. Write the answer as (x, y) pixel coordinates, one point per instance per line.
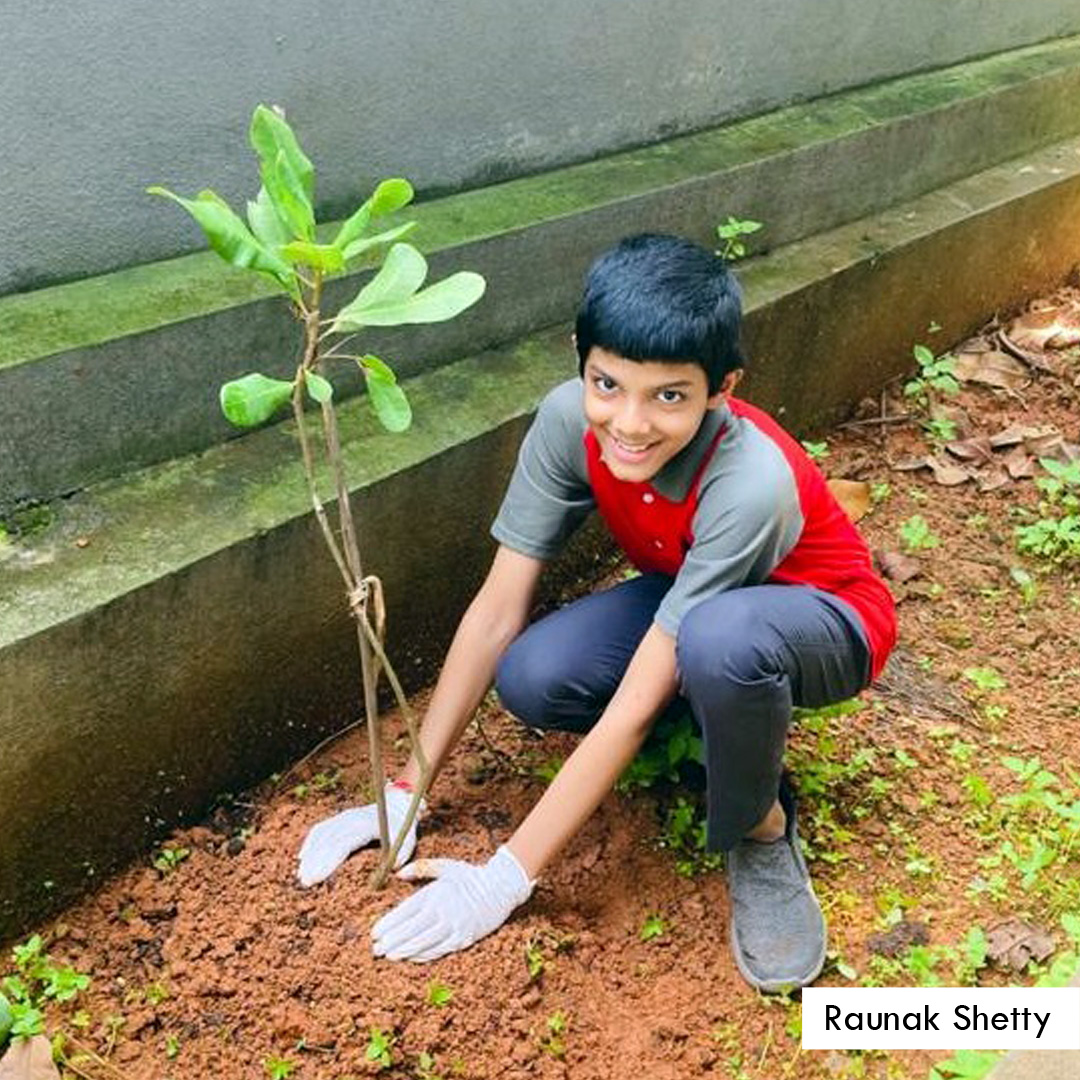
(389, 196)
(389, 402)
(230, 237)
(378, 367)
(270, 136)
(286, 190)
(265, 223)
(437, 303)
(923, 355)
(358, 247)
(398, 278)
(323, 257)
(318, 387)
(253, 399)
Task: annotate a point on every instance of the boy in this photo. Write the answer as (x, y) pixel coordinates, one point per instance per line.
(756, 594)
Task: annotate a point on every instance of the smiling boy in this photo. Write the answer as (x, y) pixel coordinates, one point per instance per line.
(756, 594)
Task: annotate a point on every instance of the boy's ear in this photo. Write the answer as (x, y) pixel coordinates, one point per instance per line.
(731, 380)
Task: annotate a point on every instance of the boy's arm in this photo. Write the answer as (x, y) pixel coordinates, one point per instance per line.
(496, 616)
(469, 901)
(600, 758)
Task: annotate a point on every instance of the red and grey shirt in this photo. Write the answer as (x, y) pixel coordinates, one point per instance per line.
(741, 504)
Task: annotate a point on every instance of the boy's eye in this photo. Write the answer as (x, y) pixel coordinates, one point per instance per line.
(670, 397)
(604, 383)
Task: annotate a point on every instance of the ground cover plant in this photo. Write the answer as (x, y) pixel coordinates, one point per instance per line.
(941, 813)
(279, 242)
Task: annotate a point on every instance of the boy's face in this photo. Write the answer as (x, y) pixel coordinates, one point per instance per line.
(644, 412)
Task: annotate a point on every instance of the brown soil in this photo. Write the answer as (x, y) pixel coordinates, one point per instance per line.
(225, 961)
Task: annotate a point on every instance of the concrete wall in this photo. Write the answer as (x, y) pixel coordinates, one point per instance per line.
(100, 100)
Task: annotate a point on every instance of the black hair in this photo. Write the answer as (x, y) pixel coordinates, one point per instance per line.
(654, 297)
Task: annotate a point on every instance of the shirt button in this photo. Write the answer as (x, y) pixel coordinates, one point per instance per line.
(658, 543)
(648, 497)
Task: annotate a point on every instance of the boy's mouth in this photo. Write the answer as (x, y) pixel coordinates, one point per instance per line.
(629, 453)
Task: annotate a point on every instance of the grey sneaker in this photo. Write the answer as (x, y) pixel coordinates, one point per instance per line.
(777, 928)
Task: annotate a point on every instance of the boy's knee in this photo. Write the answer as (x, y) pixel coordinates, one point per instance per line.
(725, 639)
(523, 685)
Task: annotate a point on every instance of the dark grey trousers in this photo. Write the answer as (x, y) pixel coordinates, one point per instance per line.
(745, 658)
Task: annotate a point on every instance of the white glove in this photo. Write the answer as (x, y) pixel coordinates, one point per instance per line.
(329, 843)
(464, 904)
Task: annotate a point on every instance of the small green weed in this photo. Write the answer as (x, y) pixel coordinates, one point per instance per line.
(38, 980)
(966, 1065)
(1055, 536)
(936, 376)
(879, 492)
(380, 1048)
(816, 451)
(425, 1067)
(172, 1047)
(916, 535)
(653, 927)
(553, 1042)
(278, 1068)
(985, 679)
(439, 994)
(673, 742)
(684, 834)
(730, 234)
(169, 858)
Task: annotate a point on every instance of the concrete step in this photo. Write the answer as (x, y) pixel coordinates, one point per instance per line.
(177, 631)
(114, 373)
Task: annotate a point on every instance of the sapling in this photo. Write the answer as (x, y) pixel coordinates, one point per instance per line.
(279, 242)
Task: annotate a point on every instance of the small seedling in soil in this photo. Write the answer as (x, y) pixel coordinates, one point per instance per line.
(935, 377)
(966, 1065)
(439, 994)
(984, 679)
(277, 1068)
(169, 858)
(653, 927)
(816, 451)
(916, 535)
(425, 1067)
(278, 241)
(1055, 536)
(879, 492)
(380, 1048)
(552, 1043)
(730, 234)
(172, 1046)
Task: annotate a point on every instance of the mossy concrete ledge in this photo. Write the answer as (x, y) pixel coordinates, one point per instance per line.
(179, 632)
(120, 371)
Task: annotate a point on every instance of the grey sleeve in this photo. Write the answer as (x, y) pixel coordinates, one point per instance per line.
(549, 494)
(746, 522)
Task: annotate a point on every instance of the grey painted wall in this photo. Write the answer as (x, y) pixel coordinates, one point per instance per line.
(99, 100)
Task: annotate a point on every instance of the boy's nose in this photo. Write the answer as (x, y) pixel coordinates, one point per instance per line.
(632, 421)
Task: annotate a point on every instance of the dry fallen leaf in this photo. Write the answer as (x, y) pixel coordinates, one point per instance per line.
(994, 368)
(853, 496)
(1020, 464)
(993, 479)
(910, 464)
(1014, 942)
(947, 474)
(29, 1059)
(898, 567)
(1032, 357)
(1018, 433)
(976, 344)
(974, 449)
(1034, 328)
(1044, 445)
